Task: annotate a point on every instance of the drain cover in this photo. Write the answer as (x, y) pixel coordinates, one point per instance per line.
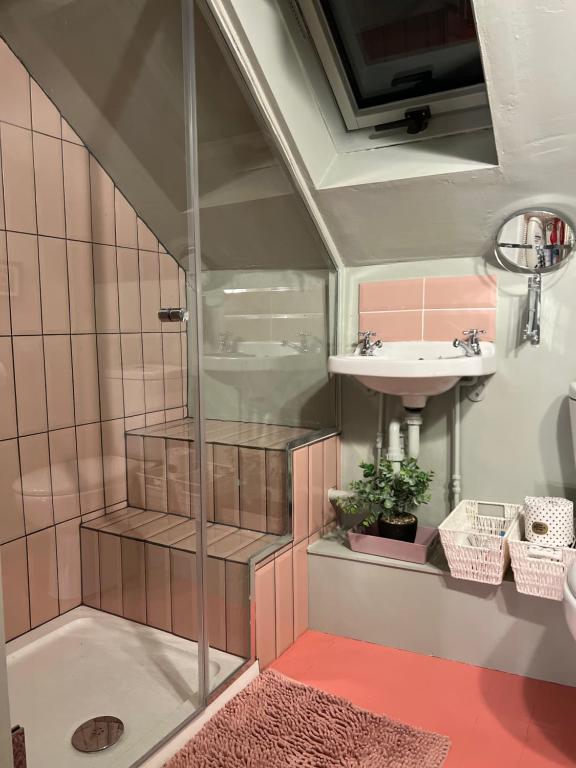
(97, 734)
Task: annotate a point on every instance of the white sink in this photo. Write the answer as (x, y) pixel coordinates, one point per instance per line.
(415, 370)
(260, 356)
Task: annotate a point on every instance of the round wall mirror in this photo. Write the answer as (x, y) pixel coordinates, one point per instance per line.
(535, 241)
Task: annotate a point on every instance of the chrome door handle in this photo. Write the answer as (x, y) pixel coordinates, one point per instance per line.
(173, 315)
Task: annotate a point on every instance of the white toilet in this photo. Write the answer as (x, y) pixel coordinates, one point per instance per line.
(570, 584)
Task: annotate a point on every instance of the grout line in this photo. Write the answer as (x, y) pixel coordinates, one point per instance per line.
(431, 309)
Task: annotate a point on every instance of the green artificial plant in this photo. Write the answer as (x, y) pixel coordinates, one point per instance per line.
(384, 492)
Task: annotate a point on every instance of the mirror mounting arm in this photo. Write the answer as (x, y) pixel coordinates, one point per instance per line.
(532, 329)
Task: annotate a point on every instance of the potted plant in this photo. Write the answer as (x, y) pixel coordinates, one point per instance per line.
(387, 496)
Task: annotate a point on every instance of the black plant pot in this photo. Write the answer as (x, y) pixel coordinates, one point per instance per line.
(400, 527)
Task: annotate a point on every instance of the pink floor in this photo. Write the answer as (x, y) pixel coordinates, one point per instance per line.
(493, 719)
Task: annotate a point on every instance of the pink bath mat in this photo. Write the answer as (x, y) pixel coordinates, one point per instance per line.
(278, 723)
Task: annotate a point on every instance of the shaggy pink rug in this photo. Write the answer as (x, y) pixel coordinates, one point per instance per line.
(278, 723)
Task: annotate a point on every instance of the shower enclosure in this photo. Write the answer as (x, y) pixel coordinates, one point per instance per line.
(147, 457)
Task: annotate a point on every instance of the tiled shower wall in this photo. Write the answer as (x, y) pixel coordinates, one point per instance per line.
(82, 354)
(428, 309)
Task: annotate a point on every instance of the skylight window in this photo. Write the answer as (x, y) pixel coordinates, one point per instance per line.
(387, 59)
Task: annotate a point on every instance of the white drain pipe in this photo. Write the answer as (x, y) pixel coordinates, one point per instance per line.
(413, 423)
(380, 432)
(395, 453)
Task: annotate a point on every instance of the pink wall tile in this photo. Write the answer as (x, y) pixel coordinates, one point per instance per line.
(146, 239)
(133, 580)
(445, 325)
(77, 192)
(90, 562)
(132, 373)
(106, 288)
(30, 384)
(276, 494)
(15, 580)
(102, 204)
(68, 134)
(390, 295)
(64, 472)
(129, 290)
(458, 292)
(216, 602)
(252, 489)
(300, 494)
(36, 482)
(209, 482)
(300, 566)
(81, 280)
(238, 609)
(5, 327)
(169, 287)
(178, 477)
(86, 389)
(69, 566)
(49, 183)
(149, 290)
(90, 467)
(393, 326)
(45, 116)
(284, 586)
(24, 272)
(114, 460)
(110, 376)
(153, 368)
(265, 614)
(226, 496)
(14, 89)
(126, 232)
(158, 598)
(184, 597)
(42, 576)
(12, 517)
(173, 372)
(59, 387)
(7, 394)
(135, 471)
(110, 573)
(18, 175)
(330, 477)
(54, 285)
(155, 474)
(315, 487)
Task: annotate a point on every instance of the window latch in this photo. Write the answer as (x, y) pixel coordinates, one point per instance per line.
(415, 121)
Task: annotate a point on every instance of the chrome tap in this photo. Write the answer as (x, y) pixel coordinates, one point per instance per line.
(365, 347)
(471, 345)
(226, 342)
(300, 346)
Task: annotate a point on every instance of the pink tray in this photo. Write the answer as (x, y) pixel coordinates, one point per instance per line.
(417, 552)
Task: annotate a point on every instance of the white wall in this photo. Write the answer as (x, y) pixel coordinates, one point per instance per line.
(516, 442)
(439, 198)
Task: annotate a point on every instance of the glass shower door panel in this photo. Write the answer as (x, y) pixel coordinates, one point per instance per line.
(101, 536)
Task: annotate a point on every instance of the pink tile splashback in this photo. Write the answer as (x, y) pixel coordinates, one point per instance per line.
(393, 326)
(390, 295)
(429, 309)
(447, 324)
(466, 292)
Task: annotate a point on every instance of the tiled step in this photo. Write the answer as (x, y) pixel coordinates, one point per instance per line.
(141, 564)
(247, 471)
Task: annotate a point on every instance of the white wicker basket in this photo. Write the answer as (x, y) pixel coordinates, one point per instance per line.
(476, 545)
(541, 575)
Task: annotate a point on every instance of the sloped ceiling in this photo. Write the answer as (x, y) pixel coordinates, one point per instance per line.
(115, 71)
